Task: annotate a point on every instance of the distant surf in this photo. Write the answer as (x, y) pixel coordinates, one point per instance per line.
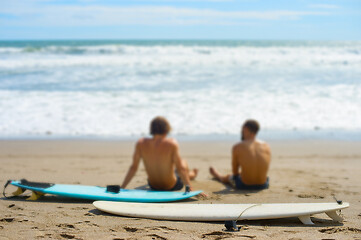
(205, 88)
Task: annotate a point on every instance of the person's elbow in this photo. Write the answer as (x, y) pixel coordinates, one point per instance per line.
(182, 170)
(133, 168)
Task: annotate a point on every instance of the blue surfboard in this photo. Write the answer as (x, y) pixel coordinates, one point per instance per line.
(99, 193)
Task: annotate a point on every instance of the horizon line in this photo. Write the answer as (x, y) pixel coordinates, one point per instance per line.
(178, 39)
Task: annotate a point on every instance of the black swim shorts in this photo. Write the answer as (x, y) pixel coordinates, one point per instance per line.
(178, 186)
(237, 183)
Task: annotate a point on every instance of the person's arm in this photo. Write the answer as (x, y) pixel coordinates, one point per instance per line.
(181, 168)
(134, 167)
(269, 151)
(235, 165)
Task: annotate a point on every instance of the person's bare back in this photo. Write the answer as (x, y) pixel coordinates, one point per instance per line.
(254, 158)
(158, 159)
(161, 158)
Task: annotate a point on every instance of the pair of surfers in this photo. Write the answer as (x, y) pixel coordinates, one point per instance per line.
(167, 171)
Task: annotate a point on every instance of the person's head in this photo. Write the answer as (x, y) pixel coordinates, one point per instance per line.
(159, 126)
(250, 129)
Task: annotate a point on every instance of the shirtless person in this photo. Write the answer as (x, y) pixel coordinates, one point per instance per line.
(161, 157)
(252, 156)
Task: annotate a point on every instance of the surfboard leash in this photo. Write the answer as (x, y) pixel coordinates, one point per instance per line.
(247, 209)
(5, 186)
(232, 225)
(339, 202)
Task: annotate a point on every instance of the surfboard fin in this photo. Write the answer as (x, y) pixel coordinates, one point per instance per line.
(334, 216)
(306, 220)
(35, 196)
(19, 191)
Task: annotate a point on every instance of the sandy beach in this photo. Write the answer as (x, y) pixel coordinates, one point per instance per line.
(301, 171)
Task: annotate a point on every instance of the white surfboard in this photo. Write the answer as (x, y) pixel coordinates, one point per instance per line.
(221, 212)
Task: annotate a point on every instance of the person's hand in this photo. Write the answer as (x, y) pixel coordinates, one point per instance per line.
(203, 195)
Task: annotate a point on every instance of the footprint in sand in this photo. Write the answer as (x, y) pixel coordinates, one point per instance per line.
(14, 207)
(130, 229)
(310, 196)
(333, 230)
(156, 236)
(24, 220)
(80, 208)
(7, 219)
(64, 225)
(88, 223)
(222, 235)
(163, 229)
(157, 228)
(67, 236)
(217, 234)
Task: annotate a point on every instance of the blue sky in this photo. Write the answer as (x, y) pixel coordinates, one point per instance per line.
(176, 19)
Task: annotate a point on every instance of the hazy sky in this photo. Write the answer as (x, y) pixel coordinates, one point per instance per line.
(176, 19)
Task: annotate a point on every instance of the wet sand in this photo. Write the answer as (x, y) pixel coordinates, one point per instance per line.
(301, 171)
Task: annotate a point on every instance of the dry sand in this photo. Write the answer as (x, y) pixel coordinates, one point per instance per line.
(301, 171)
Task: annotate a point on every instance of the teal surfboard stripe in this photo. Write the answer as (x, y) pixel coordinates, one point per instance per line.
(99, 193)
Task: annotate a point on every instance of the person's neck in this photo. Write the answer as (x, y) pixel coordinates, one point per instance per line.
(159, 137)
(250, 139)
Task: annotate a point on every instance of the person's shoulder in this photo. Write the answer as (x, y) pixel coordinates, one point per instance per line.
(141, 141)
(171, 141)
(241, 144)
(238, 146)
(264, 144)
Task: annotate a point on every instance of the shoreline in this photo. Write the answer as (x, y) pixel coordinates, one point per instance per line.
(75, 145)
(266, 135)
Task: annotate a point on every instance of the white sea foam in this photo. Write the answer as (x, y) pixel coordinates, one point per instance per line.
(115, 90)
(130, 55)
(190, 112)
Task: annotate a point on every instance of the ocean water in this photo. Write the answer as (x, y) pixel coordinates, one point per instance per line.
(113, 89)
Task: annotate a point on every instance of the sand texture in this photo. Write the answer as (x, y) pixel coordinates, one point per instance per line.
(301, 171)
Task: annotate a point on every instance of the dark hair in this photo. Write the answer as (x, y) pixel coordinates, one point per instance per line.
(252, 125)
(159, 125)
